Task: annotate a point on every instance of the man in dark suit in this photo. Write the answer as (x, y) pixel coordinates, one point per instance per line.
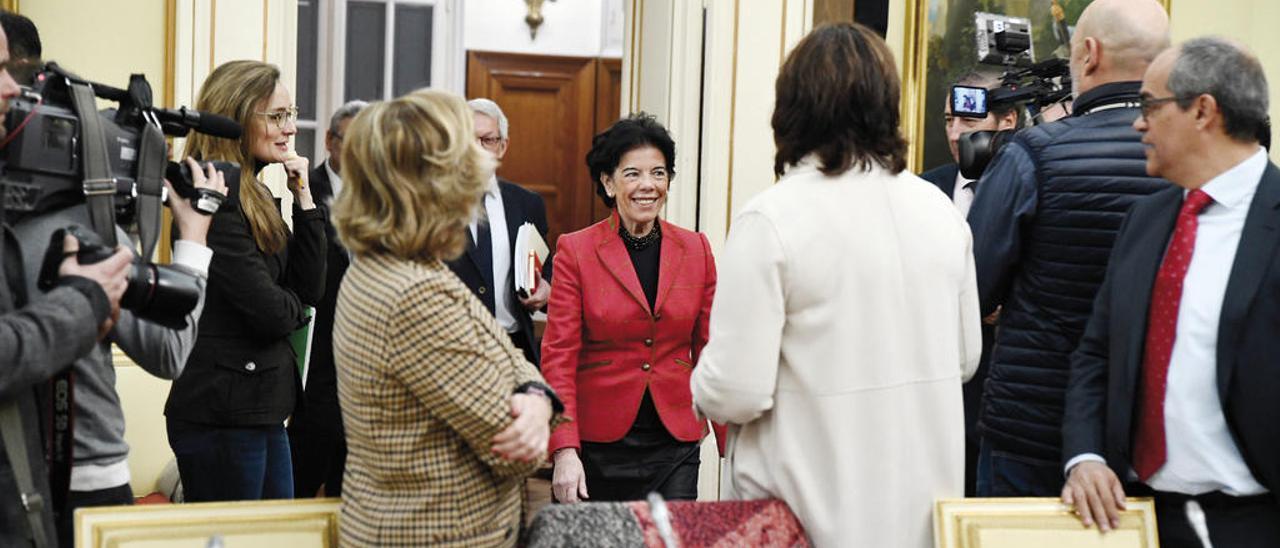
(947, 176)
(488, 266)
(1175, 385)
(316, 442)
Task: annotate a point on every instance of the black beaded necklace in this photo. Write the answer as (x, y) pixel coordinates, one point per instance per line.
(639, 243)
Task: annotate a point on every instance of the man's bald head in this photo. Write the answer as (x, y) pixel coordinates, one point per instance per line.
(1115, 40)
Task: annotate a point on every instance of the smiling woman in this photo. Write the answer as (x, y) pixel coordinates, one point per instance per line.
(618, 353)
(639, 187)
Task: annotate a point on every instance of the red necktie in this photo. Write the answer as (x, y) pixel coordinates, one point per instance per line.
(1162, 323)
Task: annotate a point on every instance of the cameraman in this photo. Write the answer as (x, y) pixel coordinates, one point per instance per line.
(99, 473)
(100, 470)
(35, 341)
(947, 177)
(1044, 219)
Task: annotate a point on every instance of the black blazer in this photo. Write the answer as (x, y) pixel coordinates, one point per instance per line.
(943, 177)
(242, 371)
(1105, 369)
(520, 206)
(321, 395)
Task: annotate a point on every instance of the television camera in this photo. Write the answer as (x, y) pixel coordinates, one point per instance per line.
(60, 151)
(1025, 84)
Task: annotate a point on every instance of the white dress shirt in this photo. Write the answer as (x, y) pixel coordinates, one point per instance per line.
(501, 250)
(1201, 455)
(962, 194)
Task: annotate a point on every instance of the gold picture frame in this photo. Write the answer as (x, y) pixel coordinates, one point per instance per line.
(922, 98)
(1038, 522)
(247, 524)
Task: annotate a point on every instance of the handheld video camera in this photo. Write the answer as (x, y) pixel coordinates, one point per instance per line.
(60, 151)
(1026, 84)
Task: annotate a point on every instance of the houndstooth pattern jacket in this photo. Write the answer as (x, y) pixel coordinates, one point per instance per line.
(425, 375)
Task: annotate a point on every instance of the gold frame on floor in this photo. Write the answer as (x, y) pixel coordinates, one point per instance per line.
(1038, 522)
(267, 524)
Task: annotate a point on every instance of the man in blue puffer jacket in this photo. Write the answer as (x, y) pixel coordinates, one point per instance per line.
(1044, 220)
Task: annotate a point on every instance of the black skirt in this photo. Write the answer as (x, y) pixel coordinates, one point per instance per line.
(647, 459)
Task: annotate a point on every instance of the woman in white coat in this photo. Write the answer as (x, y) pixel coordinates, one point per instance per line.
(846, 317)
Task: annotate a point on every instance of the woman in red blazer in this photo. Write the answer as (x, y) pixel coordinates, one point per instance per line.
(630, 299)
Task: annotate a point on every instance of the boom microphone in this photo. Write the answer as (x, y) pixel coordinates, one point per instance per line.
(202, 122)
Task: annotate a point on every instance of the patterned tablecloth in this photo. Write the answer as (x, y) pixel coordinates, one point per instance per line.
(718, 524)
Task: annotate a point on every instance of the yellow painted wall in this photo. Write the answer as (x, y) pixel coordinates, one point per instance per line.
(103, 41)
(1252, 22)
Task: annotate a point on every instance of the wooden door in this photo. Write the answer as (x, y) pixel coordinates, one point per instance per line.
(550, 103)
(608, 108)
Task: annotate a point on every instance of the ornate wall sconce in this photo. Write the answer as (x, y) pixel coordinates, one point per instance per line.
(534, 19)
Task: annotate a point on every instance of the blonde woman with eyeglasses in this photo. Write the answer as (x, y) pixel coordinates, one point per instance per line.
(226, 411)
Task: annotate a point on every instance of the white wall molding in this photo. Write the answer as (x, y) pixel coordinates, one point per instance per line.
(716, 99)
(573, 28)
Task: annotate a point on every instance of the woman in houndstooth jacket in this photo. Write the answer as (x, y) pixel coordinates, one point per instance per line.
(444, 417)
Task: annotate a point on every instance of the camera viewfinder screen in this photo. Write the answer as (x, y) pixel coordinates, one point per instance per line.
(970, 102)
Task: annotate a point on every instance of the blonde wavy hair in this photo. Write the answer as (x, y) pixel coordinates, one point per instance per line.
(238, 89)
(413, 177)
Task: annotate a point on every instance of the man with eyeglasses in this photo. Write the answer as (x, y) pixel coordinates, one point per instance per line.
(1174, 386)
(317, 443)
(488, 265)
(1043, 220)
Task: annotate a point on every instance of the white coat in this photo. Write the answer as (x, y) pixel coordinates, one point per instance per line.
(845, 320)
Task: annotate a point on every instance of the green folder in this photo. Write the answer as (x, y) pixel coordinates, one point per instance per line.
(301, 341)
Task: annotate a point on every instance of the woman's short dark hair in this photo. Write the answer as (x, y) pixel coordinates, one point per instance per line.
(837, 97)
(634, 131)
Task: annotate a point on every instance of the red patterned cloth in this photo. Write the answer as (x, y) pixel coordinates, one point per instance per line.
(724, 524)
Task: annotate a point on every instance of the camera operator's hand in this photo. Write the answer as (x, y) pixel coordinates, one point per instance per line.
(298, 169)
(193, 225)
(112, 274)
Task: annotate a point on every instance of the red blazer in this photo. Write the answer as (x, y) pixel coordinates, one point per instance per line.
(603, 345)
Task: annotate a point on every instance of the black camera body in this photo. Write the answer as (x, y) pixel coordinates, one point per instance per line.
(163, 294)
(1003, 40)
(57, 140)
(43, 169)
(44, 156)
